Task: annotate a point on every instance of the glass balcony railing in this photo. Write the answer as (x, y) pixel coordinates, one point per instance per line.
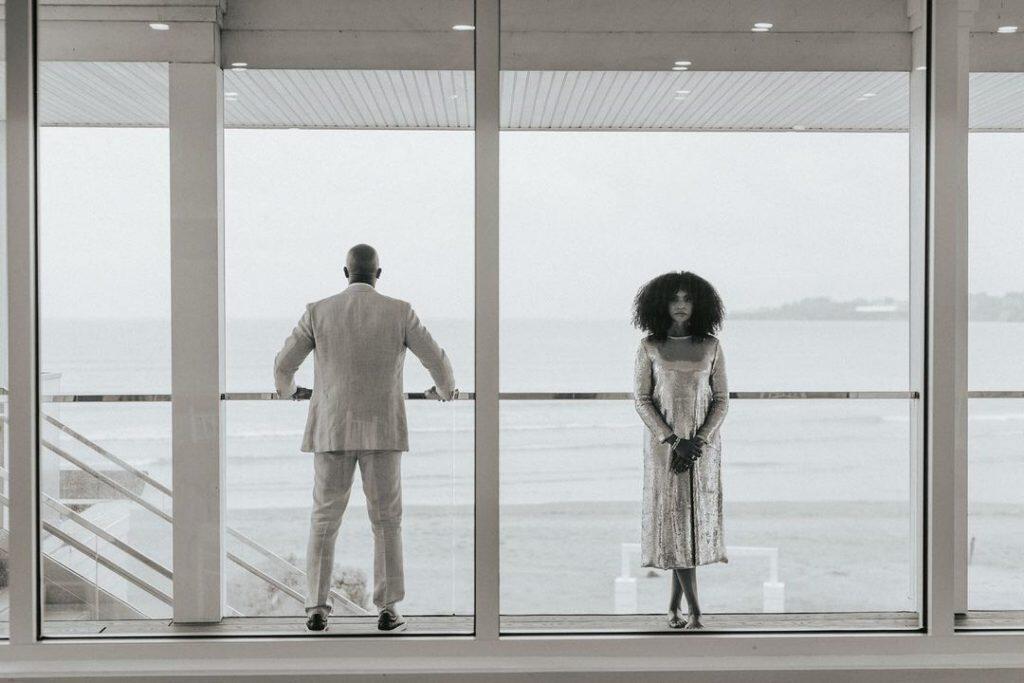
(130, 570)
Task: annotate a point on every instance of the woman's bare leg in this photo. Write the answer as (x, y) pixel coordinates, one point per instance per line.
(686, 577)
(675, 597)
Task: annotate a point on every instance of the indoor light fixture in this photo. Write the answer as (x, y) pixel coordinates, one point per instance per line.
(683, 92)
(869, 94)
(759, 30)
(683, 63)
(1007, 29)
(238, 65)
(463, 27)
(680, 68)
(763, 24)
(160, 27)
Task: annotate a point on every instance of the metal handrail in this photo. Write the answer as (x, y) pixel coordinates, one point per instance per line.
(107, 454)
(98, 531)
(59, 533)
(117, 486)
(127, 493)
(533, 396)
(108, 537)
(99, 558)
(290, 592)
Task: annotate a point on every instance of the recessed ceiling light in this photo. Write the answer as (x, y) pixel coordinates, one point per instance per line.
(463, 27)
(683, 63)
(759, 30)
(680, 68)
(160, 27)
(236, 65)
(683, 92)
(1007, 29)
(763, 24)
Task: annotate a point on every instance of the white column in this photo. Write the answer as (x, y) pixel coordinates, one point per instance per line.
(487, 587)
(918, 150)
(197, 340)
(23, 562)
(946, 389)
(4, 328)
(961, 302)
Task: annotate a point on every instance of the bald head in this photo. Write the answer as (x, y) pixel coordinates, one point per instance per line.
(361, 264)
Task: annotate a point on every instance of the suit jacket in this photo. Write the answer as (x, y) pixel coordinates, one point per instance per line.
(358, 338)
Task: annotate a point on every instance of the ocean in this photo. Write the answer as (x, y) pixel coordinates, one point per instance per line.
(824, 485)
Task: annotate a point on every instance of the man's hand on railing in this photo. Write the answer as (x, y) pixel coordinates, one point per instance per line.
(433, 393)
(302, 393)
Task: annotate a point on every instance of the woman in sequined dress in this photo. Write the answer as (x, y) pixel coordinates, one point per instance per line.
(681, 394)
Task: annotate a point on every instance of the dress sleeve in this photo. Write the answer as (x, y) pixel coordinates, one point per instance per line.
(642, 401)
(719, 396)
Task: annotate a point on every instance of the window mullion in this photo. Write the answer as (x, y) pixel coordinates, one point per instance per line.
(486, 588)
(197, 340)
(947, 307)
(22, 290)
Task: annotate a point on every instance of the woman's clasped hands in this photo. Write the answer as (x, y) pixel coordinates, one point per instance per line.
(685, 452)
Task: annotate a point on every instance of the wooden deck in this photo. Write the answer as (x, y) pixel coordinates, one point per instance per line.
(514, 625)
(524, 625)
(713, 623)
(991, 621)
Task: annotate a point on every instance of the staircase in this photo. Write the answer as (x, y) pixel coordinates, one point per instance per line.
(92, 570)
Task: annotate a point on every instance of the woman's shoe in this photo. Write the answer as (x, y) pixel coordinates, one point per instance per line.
(676, 621)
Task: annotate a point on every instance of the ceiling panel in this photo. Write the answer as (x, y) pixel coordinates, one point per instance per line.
(135, 94)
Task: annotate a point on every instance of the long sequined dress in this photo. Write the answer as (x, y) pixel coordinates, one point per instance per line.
(679, 386)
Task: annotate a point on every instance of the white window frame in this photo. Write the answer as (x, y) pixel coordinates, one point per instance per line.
(936, 237)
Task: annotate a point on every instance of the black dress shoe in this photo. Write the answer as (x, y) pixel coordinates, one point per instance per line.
(316, 622)
(390, 623)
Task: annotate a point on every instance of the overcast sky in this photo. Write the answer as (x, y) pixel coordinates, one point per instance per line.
(586, 218)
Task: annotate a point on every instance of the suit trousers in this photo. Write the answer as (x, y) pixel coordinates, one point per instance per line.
(382, 485)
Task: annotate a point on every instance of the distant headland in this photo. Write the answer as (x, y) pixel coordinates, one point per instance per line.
(983, 307)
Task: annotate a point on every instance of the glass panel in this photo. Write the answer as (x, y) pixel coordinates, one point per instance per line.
(104, 300)
(106, 515)
(570, 490)
(996, 331)
(317, 161)
(634, 145)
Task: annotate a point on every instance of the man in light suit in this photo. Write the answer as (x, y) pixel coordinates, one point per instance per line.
(357, 417)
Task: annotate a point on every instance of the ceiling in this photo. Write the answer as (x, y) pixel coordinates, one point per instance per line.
(135, 94)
